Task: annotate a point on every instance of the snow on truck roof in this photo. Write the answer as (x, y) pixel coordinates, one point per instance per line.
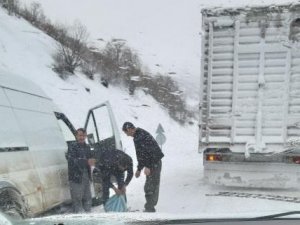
(14, 82)
(278, 8)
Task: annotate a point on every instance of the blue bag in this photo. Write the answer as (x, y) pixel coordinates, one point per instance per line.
(116, 203)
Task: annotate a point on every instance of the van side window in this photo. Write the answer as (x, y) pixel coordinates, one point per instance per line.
(68, 135)
(103, 123)
(92, 131)
(66, 127)
(11, 136)
(99, 126)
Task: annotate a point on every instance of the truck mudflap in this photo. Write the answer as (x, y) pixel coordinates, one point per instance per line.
(253, 174)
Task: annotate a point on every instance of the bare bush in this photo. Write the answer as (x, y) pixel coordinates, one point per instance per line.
(119, 62)
(12, 6)
(35, 11)
(34, 14)
(89, 68)
(71, 48)
(164, 90)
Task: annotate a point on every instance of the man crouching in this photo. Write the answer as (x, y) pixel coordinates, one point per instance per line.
(113, 164)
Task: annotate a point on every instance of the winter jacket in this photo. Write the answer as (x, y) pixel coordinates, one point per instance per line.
(77, 156)
(107, 163)
(148, 152)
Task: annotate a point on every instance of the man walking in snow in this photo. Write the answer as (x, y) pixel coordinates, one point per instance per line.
(149, 157)
(113, 163)
(79, 166)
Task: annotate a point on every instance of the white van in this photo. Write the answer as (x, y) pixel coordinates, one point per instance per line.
(34, 138)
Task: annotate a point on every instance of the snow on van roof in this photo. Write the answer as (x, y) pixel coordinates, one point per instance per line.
(278, 8)
(12, 81)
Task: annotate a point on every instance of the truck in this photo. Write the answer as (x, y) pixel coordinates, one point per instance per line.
(34, 138)
(249, 127)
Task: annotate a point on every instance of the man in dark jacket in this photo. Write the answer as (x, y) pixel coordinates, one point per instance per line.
(79, 162)
(112, 164)
(149, 157)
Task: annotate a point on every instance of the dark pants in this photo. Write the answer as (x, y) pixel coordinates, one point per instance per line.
(97, 182)
(105, 188)
(81, 195)
(151, 188)
(106, 184)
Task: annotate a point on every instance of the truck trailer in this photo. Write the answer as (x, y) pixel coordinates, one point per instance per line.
(249, 129)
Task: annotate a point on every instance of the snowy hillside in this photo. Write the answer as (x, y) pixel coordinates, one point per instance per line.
(26, 51)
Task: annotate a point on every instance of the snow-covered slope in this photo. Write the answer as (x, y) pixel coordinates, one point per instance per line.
(26, 51)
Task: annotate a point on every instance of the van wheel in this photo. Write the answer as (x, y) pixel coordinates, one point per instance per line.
(13, 211)
(11, 204)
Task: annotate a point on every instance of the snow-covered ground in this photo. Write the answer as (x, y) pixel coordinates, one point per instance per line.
(26, 51)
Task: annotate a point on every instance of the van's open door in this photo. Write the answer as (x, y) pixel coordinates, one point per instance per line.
(102, 130)
(102, 134)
